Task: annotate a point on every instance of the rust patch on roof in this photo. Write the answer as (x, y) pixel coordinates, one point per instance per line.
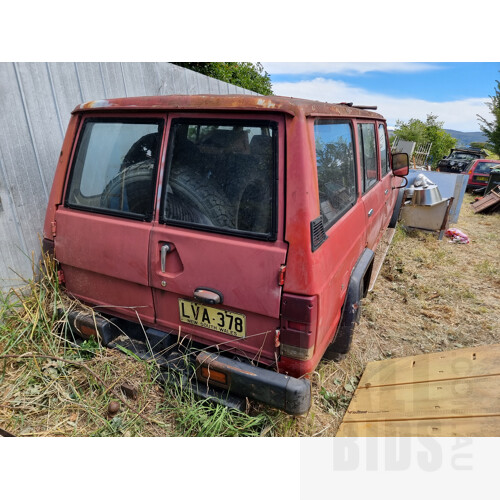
(266, 103)
(102, 103)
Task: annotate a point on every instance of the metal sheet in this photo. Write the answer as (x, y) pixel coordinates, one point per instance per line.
(450, 185)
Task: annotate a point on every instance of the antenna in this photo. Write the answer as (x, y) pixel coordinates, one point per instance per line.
(358, 106)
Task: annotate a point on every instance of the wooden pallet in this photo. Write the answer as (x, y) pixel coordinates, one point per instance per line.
(487, 202)
(453, 393)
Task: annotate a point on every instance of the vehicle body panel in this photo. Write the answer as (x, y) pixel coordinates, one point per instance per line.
(111, 261)
(103, 267)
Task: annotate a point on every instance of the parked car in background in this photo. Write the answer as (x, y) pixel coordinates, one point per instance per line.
(479, 173)
(460, 160)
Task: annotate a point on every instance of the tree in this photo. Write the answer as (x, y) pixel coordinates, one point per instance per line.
(491, 129)
(423, 133)
(243, 74)
(413, 131)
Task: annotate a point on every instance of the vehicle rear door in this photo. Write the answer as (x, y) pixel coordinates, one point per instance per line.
(217, 248)
(103, 228)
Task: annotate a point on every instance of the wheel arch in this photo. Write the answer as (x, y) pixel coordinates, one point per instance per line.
(356, 290)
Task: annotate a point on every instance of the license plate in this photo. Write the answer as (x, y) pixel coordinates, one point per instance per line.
(481, 178)
(221, 321)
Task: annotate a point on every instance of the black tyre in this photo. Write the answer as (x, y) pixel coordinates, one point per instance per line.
(253, 210)
(193, 197)
(131, 190)
(250, 192)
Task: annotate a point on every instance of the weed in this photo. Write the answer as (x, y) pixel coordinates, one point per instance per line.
(89, 348)
(334, 402)
(202, 418)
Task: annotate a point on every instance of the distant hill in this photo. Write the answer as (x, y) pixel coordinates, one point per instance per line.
(465, 138)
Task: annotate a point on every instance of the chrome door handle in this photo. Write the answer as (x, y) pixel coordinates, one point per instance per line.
(370, 212)
(166, 248)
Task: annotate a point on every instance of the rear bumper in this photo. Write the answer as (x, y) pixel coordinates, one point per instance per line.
(235, 378)
(289, 394)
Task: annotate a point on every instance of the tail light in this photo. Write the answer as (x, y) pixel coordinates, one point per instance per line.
(299, 316)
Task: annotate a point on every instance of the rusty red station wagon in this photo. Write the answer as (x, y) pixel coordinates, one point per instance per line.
(243, 225)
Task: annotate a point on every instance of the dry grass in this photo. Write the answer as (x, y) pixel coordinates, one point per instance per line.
(50, 386)
(430, 296)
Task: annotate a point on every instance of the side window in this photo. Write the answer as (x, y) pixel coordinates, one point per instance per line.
(368, 153)
(336, 169)
(221, 176)
(114, 168)
(384, 151)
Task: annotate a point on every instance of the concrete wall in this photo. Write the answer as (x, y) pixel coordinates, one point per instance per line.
(36, 100)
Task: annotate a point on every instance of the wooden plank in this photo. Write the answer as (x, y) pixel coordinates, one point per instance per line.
(459, 363)
(469, 426)
(488, 201)
(478, 396)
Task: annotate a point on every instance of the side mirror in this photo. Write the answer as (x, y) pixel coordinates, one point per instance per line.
(400, 164)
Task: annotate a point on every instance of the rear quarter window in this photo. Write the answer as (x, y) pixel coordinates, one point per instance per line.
(336, 169)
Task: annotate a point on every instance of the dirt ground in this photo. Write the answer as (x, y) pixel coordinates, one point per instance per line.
(430, 296)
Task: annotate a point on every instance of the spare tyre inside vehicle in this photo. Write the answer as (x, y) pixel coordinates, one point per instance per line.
(194, 199)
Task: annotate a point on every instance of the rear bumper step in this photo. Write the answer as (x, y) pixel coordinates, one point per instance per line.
(210, 376)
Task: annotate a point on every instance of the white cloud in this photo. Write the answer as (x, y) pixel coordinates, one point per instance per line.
(346, 68)
(456, 115)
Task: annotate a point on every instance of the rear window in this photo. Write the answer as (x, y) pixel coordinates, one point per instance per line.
(222, 177)
(336, 169)
(485, 167)
(114, 168)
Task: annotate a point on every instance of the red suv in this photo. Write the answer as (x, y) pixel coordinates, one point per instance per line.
(479, 173)
(236, 231)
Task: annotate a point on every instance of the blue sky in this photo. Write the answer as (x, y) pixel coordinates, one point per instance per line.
(296, 31)
(455, 91)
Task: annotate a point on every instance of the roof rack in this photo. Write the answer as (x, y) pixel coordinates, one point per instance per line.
(358, 106)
